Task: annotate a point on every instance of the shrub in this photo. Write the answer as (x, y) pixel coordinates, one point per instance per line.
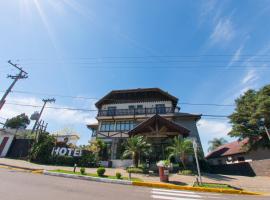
(144, 168)
(135, 170)
(87, 160)
(101, 171)
(118, 175)
(82, 170)
(186, 172)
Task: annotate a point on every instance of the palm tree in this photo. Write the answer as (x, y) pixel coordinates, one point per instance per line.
(135, 147)
(180, 148)
(215, 143)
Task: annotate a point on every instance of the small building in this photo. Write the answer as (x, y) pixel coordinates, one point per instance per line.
(150, 112)
(236, 152)
(6, 138)
(69, 139)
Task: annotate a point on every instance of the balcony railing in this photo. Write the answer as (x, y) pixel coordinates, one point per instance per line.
(141, 111)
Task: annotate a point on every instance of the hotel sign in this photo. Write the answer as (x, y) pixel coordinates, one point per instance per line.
(64, 151)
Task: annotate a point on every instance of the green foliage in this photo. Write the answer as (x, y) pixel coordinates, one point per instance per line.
(82, 170)
(180, 148)
(135, 147)
(63, 160)
(87, 159)
(250, 108)
(186, 172)
(19, 122)
(41, 151)
(118, 175)
(101, 171)
(215, 143)
(135, 170)
(144, 168)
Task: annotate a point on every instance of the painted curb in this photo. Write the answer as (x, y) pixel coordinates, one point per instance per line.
(89, 178)
(25, 169)
(197, 189)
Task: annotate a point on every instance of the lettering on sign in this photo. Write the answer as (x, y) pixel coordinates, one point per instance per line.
(64, 151)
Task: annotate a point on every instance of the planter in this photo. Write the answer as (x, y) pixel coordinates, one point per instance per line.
(163, 174)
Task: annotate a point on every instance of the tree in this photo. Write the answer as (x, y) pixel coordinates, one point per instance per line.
(41, 151)
(136, 146)
(250, 108)
(181, 148)
(215, 143)
(19, 122)
(96, 147)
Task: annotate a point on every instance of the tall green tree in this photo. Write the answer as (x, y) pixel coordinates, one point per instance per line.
(250, 108)
(215, 143)
(135, 147)
(19, 122)
(181, 148)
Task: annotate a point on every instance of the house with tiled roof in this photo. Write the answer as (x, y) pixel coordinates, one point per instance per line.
(236, 152)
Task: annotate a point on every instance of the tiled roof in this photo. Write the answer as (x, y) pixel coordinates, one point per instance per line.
(130, 95)
(228, 149)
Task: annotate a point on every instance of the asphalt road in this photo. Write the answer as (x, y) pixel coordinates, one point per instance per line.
(17, 185)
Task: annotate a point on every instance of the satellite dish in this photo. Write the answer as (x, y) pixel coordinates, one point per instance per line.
(35, 116)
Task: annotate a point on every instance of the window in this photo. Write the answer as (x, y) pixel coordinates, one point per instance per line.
(140, 109)
(160, 109)
(131, 107)
(111, 110)
(124, 125)
(107, 126)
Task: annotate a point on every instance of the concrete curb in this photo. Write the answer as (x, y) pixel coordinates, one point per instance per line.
(89, 178)
(197, 189)
(13, 167)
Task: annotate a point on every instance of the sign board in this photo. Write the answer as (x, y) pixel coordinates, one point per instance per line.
(64, 151)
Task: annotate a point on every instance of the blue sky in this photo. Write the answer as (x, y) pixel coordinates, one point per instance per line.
(199, 51)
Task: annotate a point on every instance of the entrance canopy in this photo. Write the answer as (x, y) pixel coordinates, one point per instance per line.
(158, 126)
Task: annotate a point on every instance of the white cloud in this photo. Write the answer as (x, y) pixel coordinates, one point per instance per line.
(236, 56)
(209, 129)
(52, 116)
(223, 31)
(250, 77)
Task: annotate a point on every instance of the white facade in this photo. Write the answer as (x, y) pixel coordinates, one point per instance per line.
(6, 138)
(144, 104)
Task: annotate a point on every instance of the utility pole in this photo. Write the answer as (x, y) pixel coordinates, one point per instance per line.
(195, 147)
(21, 75)
(40, 113)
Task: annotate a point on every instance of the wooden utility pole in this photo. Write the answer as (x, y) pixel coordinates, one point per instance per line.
(21, 75)
(40, 113)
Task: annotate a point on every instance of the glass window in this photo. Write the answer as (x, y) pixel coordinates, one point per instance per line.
(160, 108)
(131, 107)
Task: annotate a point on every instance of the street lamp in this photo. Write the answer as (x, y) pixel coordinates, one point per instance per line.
(263, 126)
(195, 148)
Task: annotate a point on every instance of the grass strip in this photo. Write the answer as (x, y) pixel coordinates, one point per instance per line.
(94, 175)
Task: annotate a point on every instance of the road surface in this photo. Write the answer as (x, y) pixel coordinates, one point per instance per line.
(17, 185)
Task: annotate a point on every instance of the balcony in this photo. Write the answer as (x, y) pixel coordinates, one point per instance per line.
(142, 111)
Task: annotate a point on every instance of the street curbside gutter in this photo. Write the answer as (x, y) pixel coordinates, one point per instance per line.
(197, 189)
(89, 178)
(25, 169)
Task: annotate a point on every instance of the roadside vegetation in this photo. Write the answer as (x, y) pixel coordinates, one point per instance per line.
(117, 175)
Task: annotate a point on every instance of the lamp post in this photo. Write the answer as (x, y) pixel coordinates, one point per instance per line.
(263, 126)
(195, 148)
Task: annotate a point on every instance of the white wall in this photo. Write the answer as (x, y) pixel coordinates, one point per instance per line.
(10, 136)
(145, 104)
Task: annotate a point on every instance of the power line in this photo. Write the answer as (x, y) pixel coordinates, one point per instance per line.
(92, 110)
(96, 98)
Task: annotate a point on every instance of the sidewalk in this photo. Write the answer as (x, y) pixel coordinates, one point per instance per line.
(258, 183)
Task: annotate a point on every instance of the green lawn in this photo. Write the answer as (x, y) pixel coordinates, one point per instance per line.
(214, 185)
(93, 175)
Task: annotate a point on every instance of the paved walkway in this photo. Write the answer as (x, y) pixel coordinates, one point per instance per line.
(257, 184)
